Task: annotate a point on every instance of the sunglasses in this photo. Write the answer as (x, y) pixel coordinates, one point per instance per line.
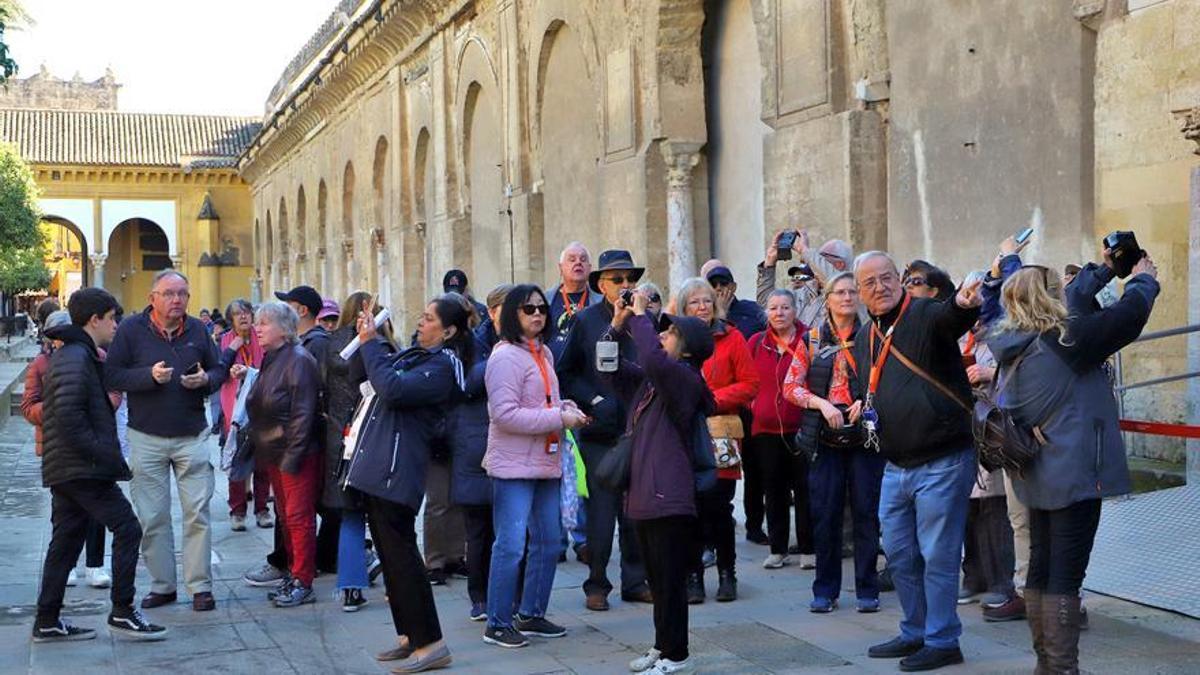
(620, 279)
(530, 310)
(654, 298)
(914, 282)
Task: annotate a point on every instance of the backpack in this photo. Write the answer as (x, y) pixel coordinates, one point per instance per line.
(1001, 441)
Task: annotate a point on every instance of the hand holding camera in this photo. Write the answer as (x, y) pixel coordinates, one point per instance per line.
(1122, 253)
(1145, 266)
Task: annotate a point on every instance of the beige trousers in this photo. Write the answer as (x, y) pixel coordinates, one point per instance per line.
(1018, 516)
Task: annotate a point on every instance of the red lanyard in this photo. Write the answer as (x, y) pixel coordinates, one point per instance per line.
(846, 349)
(969, 347)
(535, 348)
(885, 350)
(783, 346)
(570, 309)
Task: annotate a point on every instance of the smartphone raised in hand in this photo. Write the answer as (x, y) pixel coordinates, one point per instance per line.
(787, 239)
(1024, 235)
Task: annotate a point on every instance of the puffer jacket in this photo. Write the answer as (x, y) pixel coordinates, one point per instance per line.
(469, 483)
(342, 380)
(1064, 390)
(413, 391)
(282, 407)
(520, 420)
(31, 399)
(79, 439)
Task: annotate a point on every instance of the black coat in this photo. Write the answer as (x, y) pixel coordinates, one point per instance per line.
(581, 382)
(342, 394)
(917, 422)
(282, 407)
(468, 419)
(79, 426)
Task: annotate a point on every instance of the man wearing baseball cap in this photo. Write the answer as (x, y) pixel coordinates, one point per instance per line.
(455, 281)
(746, 315)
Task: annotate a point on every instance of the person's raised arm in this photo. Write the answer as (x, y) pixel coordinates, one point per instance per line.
(1094, 337)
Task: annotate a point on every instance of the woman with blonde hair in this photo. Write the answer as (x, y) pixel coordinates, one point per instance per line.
(1050, 349)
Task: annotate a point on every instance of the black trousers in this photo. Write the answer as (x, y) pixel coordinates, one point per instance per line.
(1060, 546)
(327, 538)
(605, 512)
(715, 525)
(784, 478)
(410, 597)
(73, 504)
(480, 537)
(94, 549)
(988, 555)
(754, 487)
(666, 544)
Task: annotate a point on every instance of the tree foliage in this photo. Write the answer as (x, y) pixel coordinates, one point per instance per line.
(11, 14)
(23, 270)
(19, 213)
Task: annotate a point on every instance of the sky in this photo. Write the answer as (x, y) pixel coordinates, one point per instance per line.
(177, 56)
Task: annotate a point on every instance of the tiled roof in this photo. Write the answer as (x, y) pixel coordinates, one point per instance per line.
(127, 139)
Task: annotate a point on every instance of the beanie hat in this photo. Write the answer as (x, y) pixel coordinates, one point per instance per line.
(697, 336)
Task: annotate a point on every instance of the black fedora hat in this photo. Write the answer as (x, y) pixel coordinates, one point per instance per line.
(612, 260)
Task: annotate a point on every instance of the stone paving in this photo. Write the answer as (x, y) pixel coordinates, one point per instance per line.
(768, 630)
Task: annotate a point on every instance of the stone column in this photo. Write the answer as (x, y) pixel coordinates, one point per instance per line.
(322, 270)
(256, 288)
(383, 281)
(1191, 130)
(98, 260)
(348, 270)
(681, 157)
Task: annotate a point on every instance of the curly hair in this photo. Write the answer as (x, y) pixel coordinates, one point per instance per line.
(1032, 300)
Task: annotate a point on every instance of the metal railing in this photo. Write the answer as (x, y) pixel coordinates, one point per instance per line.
(1119, 370)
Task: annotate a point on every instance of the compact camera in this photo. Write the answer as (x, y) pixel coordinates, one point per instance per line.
(627, 297)
(1125, 252)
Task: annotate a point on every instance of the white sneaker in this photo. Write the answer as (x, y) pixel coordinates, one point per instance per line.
(775, 561)
(98, 578)
(808, 561)
(72, 578)
(669, 666)
(645, 662)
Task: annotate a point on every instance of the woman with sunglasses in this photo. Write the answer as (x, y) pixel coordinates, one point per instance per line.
(527, 417)
(654, 302)
(925, 280)
(1059, 387)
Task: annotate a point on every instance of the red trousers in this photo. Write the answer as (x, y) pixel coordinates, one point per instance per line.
(237, 493)
(296, 500)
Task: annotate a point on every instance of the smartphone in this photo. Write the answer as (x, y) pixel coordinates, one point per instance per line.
(786, 241)
(193, 369)
(1024, 235)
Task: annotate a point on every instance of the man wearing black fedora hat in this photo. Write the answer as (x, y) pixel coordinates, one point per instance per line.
(580, 374)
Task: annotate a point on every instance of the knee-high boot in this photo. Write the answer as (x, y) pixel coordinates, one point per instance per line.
(1033, 611)
(1060, 628)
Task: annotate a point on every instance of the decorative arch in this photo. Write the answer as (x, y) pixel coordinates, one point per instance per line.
(301, 236)
(418, 244)
(137, 249)
(269, 259)
(258, 247)
(555, 16)
(488, 245)
(285, 249)
(380, 173)
(69, 228)
(346, 251)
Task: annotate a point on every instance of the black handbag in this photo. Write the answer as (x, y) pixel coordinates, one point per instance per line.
(848, 436)
(241, 465)
(612, 471)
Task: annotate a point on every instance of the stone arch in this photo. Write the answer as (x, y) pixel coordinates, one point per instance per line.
(58, 229)
(269, 255)
(380, 174)
(483, 171)
(322, 250)
(285, 249)
(137, 249)
(345, 251)
(569, 144)
(302, 254)
(418, 244)
(258, 247)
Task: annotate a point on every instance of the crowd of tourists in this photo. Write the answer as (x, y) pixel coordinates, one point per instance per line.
(540, 423)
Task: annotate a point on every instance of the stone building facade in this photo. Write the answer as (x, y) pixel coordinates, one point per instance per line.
(44, 90)
(411, 137)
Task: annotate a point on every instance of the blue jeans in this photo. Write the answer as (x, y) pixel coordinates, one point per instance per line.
(352, 552)
(923, 515)
(520, 507)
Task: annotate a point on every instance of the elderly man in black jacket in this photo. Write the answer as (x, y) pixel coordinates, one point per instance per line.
(916, 416)
(600, 328)
(81, 463)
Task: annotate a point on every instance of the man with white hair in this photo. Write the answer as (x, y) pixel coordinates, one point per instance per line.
(571, 295)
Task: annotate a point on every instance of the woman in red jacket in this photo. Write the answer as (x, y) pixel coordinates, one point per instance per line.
(733, 379)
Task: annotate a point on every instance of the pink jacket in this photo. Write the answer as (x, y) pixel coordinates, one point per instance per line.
(520, 420)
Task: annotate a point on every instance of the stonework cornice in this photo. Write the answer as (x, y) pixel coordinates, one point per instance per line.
(46, 175)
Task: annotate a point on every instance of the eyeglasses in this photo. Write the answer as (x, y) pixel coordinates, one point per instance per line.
(882, 280)
(848, 292)
(914, 282)
(654, 298)
(620, 279)
(530, 310)
(174, 295)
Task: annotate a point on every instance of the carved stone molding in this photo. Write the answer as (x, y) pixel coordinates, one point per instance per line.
(681, 158)
(98, 259)
(1189, 124)
(348, 247)
(378, 240)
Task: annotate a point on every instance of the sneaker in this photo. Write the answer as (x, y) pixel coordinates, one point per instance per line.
(98, 578)
(1011, 610)
(645, 661)
(775, 561)
(967, 596)
(266, 576)
(237, 523)
(931, 658)
(61, 631)
(808, 561)
(437, 576)
(296, 594)
(507, 637)
(352, 600)
(669, 666)
(539, 626)
(822, 605)
(374, 566)
(281, 588)
(866, 605)
(129, 623)
(458, 570)
(72, 578)
(992, 600)
(478, 611)
(709, 557)
(263, 519)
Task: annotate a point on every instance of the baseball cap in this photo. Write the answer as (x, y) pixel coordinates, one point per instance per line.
(328, 308)
(802, 269)
(719, 272)
(305, 296)
(455, 280)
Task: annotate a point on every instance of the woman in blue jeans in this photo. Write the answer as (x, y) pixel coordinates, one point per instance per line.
(526, 422)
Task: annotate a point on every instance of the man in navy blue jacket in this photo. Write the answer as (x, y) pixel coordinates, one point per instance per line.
(167, 363)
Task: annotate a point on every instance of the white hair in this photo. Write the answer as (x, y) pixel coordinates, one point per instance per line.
(282, 315)
(864, 257)
(562, 257)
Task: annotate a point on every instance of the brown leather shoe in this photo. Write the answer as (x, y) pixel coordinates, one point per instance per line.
(153, 600)
(597, 602)
(203, 602)
(642, 595)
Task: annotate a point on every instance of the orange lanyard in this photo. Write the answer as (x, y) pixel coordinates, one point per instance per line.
(570, 309)
(540, 360)
(847, 349)
(969, 347)
(784, 348)
(885, 350)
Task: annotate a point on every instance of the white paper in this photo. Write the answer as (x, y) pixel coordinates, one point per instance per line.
(349, 349)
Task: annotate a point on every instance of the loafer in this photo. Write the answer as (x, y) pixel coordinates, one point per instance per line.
(930, 658)
(203, 602)
(597, 603)
(822, 605)
(153, 600)
(438, 658)
(395, 654)
(866, 605)
(895, 648)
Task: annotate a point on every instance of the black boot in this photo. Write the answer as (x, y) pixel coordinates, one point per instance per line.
(727, 590)
(695, 589)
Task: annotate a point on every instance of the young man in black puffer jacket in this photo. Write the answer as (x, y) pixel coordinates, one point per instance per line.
(81, 464)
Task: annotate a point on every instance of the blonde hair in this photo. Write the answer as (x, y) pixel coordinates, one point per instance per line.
(695, 286)
(1032, 300)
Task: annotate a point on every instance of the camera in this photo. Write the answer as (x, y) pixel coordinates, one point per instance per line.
(786, 240)
(627, 297)
(1125, 252)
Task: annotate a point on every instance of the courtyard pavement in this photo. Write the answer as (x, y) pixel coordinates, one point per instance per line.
(768, 630)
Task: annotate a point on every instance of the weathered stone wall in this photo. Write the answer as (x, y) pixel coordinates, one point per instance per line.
(43, 90)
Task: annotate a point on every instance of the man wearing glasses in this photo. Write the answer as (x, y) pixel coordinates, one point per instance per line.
(597, 342)
(167, 363)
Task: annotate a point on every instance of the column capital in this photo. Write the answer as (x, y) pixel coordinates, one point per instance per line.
(378, 240)
(98, 259)
(681, 157)
(320, 253)
(301, 257)
(348, 247)
(1189, 124)
(177, 261)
